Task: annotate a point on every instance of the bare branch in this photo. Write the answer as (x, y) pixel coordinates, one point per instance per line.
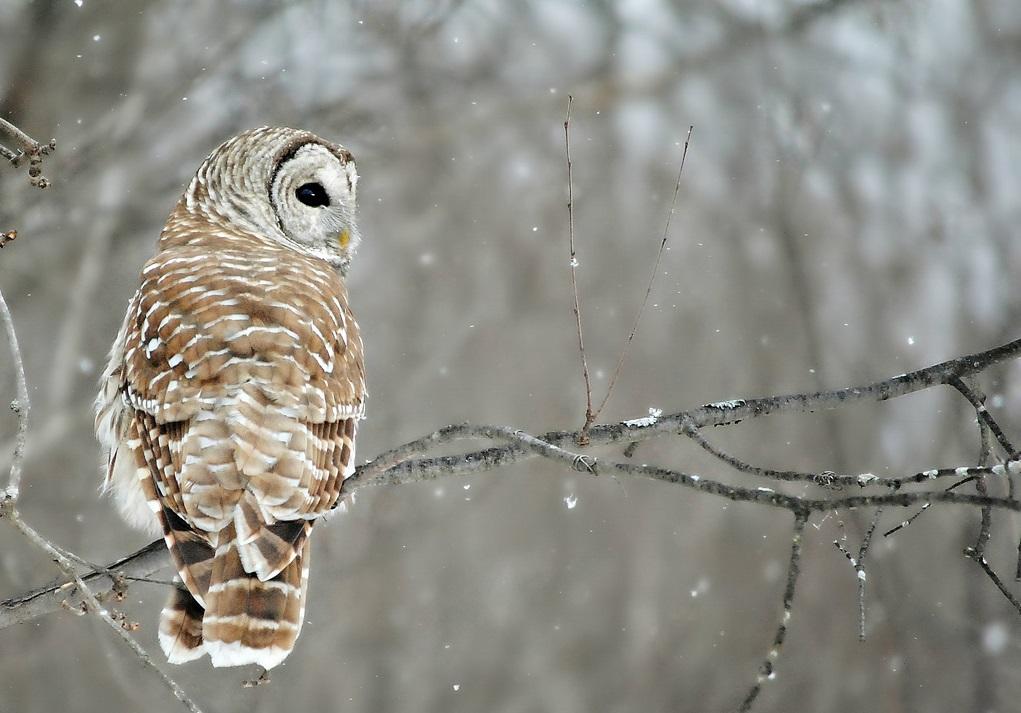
(589, 415)
(20, 406)
(977, 400)
(767, 671)
(27, 147)
(714, 414)
(858, 563)
(58, 595)
(982, 562)
(91, 602)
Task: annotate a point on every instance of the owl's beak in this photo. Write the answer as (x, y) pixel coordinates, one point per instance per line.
(344, 238)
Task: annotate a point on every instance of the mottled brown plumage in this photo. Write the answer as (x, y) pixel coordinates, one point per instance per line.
(230, 403)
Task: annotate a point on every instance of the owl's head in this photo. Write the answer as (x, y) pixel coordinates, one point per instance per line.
(285, 184)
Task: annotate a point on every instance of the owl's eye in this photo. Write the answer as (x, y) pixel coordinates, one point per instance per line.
(312, 194)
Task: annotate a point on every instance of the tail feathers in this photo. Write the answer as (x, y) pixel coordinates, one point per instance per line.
(180, 632)
(266, 546)
(248, 620)
(191, 553)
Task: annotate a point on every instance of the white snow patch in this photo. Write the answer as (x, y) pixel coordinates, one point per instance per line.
(866, 478)
(650, 420)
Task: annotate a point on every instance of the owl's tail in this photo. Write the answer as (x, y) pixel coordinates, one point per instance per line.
(248, 620)
(180, 631)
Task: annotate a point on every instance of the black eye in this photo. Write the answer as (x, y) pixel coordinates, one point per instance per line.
(312, 194)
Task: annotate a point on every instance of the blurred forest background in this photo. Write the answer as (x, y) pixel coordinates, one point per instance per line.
(849, 211)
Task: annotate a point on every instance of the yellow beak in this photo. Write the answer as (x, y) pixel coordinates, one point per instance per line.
(343, 238)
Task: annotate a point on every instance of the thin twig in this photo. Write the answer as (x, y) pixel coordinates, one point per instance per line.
(93, 604)
(648, 289)
(28, 147)
(858, 563)
(982, 562)
(977, 400)
(988, 429)
(928, 504)
(829, 479)
(46, 600)
(589, 415)
(20, 406)
(767, 672)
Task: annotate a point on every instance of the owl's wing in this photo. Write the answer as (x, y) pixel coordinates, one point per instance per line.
(246, 380)
(242, 383)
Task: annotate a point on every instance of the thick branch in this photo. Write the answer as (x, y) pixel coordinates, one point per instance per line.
(715, 414)
(406, 464)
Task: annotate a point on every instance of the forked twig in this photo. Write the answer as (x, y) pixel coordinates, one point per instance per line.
(858, 563)
(592, 414)
(589, 415)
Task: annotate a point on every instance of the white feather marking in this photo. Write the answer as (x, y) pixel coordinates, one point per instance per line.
(237, 654)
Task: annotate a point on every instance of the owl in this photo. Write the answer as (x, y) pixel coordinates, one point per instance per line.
(228, 409)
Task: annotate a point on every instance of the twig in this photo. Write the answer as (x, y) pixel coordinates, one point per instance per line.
(858, 563)
(767, 672)
(980, 559)
(928, 504)
(93, 604)
(988, 429)
(28, 147)
(977, 400)
(589, 415)
(829, 479)
(21, 406)
(46, 600)
(825, 478)
(648, 289)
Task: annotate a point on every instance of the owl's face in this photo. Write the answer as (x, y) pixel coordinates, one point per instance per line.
(312, 194)
(287, 185)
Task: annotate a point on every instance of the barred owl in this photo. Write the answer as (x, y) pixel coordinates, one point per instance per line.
(229, 406)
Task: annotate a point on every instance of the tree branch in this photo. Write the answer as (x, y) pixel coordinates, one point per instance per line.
(27, 146)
